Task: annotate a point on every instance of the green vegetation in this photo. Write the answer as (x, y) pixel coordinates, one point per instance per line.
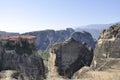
(45, 56)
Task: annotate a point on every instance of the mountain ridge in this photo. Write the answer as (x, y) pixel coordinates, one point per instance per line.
(94, 29)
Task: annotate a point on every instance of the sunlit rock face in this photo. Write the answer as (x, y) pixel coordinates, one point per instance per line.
(70, 56)
(107, 47)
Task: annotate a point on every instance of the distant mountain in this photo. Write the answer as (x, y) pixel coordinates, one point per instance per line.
(8, 33)
(2, 32)
(94, 29)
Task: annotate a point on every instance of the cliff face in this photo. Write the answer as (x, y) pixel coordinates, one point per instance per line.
(48, 37)
(84, 37)
(28, 66)
(107, 51)
(68, 57)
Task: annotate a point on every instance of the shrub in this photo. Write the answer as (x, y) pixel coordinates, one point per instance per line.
(44, 54)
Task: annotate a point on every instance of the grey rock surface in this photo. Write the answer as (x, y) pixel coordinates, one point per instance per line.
(107, 49)
(70, 56)
(29, 66)
(47, 37)
(84, 37)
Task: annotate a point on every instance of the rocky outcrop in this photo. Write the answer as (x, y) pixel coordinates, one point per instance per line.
(29, 66)
(10, 75)
(107, 51)
(68, 57)
(48, 37)
(84, 37)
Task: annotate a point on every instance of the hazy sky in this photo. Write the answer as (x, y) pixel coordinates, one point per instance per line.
(30, 15)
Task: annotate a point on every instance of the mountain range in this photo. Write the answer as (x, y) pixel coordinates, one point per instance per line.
(8, 33)
(94, 29)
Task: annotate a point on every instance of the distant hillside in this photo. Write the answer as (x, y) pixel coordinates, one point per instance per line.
(10, 33)
(2, 32)
(94, 29)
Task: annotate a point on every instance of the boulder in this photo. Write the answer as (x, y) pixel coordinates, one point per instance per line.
(69, 56)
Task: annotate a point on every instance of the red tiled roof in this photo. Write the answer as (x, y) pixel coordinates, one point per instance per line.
(18, 36)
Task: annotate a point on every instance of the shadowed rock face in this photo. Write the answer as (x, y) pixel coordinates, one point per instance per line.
(107, 47)
(29, 66)
(84, 37)
(71, 55)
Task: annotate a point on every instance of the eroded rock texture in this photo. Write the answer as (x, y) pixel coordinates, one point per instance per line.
(29, 66)
(84, 37)
(47, 37)
(70, 56)
(107, 51)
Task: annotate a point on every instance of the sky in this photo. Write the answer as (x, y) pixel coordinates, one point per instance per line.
(34, 15)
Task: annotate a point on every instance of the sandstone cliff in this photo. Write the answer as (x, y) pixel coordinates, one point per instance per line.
(68, 57)
(107, 51)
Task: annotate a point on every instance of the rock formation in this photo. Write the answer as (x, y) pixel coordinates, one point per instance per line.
(48, 37)
(68, 57)
(107, 51)
(23, 59)
(94, 29)
(84, 37)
